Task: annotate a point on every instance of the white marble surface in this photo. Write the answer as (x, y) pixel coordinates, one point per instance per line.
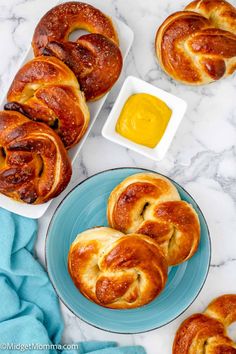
(202, 157)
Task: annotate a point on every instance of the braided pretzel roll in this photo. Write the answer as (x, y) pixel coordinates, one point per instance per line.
(34, 166)
(198, 45)
(95, 60)
(207, 332)
(115, 270)
(149, 204)
(46, 90)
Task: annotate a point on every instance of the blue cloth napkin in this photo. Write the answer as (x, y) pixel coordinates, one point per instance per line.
(29, 308)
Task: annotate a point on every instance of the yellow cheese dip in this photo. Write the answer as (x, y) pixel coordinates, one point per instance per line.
(143, 119)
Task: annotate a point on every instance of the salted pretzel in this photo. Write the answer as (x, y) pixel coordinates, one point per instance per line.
(46, 90)
(117, 271)
(207, 332)
(149, 204)
(59, 22)
(95, 58)
(34, 166)
(198, 45)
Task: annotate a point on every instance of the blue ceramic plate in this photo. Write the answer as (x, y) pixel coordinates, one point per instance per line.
(85, 207)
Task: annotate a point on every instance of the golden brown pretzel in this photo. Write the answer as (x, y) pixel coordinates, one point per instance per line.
(198, 45)
(59, 22)
(206, 333)
(34, 166)
(149, 204)
(115, 270)
(95, 60)
(46, 90)
(220, 12)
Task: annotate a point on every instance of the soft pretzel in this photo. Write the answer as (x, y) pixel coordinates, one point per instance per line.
(198, 45)
(207, 332)
(34, 166)
(149, 204)
(219, 11)
(95, 60)
(46, 90)
(59, 22)
(115, 270)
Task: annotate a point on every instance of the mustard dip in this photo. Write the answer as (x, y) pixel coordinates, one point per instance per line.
(143, 119)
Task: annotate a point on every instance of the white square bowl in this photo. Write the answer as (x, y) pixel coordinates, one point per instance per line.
(133, 85)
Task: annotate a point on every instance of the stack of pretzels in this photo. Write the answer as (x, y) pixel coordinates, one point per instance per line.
(151, 228)
(46, 113)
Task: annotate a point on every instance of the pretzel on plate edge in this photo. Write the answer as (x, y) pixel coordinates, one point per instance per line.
(34, 166)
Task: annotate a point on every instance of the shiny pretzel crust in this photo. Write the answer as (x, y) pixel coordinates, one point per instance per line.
(61, 20)
(115, 270)
(95, 60)
(207, 332)
(198, 45)
(148, 203)
(46, 90)
(34, 166)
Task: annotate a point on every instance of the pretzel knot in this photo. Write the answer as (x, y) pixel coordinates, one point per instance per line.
(34, 166)
(149, 204)
(207, 332)
(95, 58)
(198, 45)
(115, 270)
(46, 90)
(59, 22)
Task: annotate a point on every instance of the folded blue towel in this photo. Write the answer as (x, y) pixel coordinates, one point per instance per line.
(29, 309)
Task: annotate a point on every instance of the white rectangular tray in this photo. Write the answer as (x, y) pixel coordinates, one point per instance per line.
(126, 37)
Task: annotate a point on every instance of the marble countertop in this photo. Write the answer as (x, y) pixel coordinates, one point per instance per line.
(202, 157)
